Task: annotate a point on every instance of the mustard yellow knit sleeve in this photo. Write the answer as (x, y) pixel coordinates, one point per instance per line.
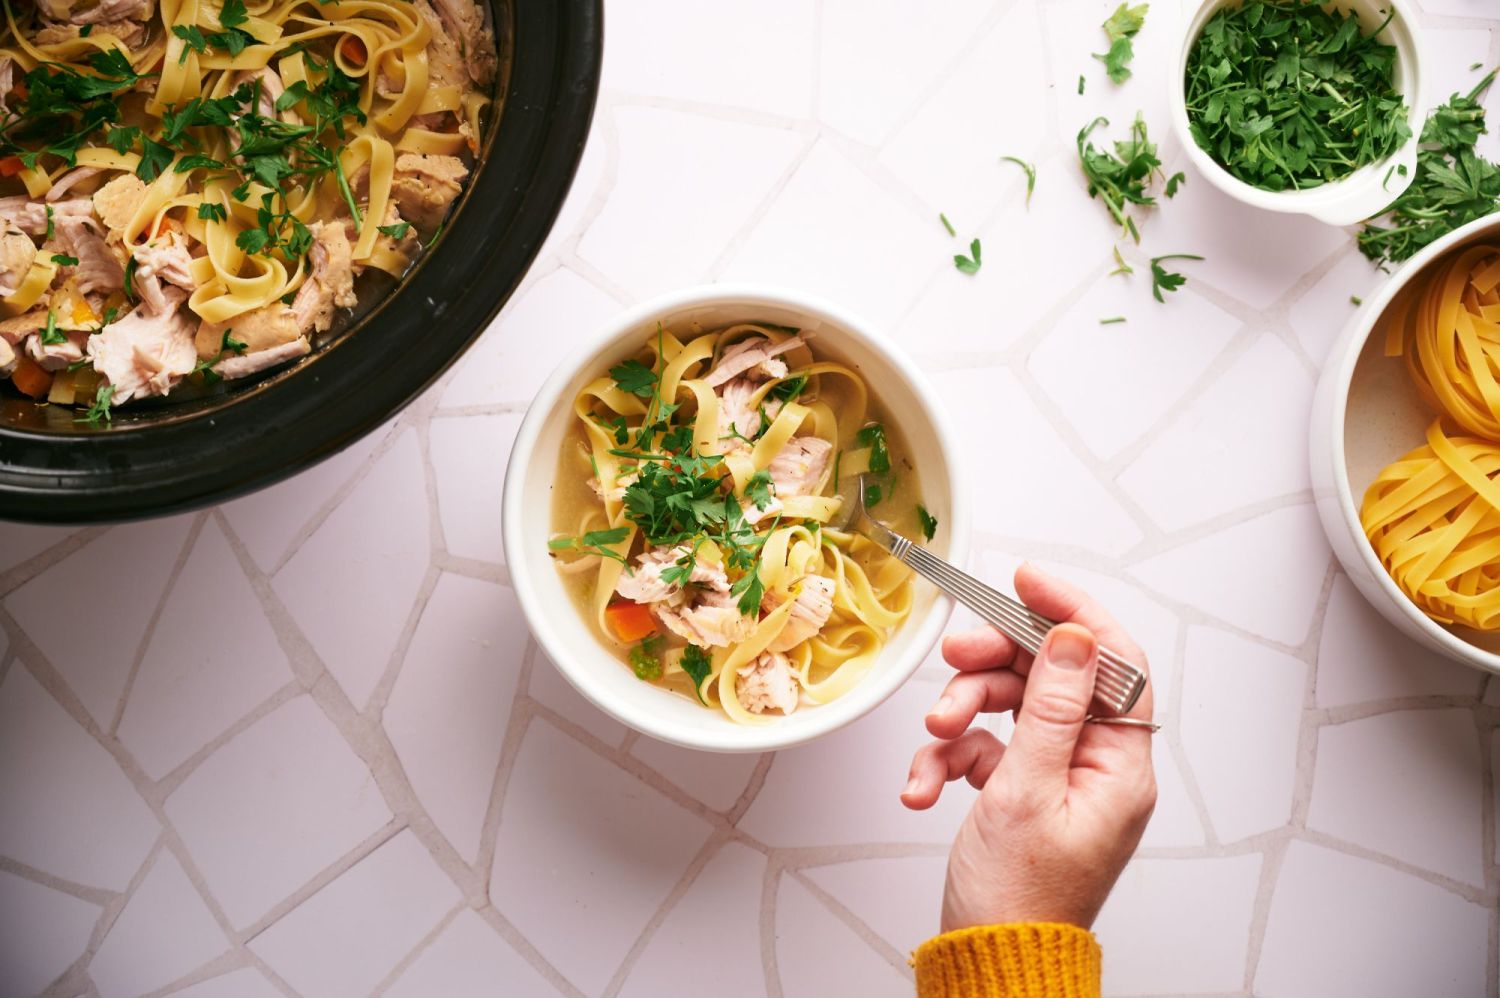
(1022, 960)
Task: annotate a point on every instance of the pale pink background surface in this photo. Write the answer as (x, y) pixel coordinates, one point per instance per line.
(302, 743)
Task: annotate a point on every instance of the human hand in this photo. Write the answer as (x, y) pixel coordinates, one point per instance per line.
(1062, 808)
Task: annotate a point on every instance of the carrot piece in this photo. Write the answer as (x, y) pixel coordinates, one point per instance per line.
(353, 48)
(30, 378)
(10, 166)
(20, 90)
(630, 621)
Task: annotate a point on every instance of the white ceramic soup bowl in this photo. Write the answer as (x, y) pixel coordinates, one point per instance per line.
(909, 401)
(1366, 414)
(1366, 191)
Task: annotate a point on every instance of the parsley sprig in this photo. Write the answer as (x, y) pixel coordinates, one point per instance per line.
(1122, 26)
(1453, 184)
(1290, 95)
(1120, 178)
(64, 107)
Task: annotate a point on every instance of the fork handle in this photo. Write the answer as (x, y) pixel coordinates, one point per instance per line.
(1117, 685)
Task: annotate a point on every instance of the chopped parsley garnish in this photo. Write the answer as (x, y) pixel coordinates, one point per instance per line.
(1453, 184)
(100, 407)
(593, 542)
(697, 664)
(63, 260)
(1081, 84)
(1121, 267)
(947, 224)
(50, 334)
(927, 521)
(1121, 27)
(227, 344)
(1290, 95)
(634, 378)
(1030, 172)
(1175, 181)
(968, 264)
(873, 437)
(1120, 178)
(645, 658)
(1112, 320)
(1165, 280)
(210, 212)
(395, 231)
(873, 495)
(62, 108)
(758, 489)
(789, 389)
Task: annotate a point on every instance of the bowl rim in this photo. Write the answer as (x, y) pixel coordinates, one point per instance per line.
(729, 737)
(209, 451)
(1340, 369)
(1340, 202)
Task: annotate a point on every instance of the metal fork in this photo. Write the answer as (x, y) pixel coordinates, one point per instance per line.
(1117, 685)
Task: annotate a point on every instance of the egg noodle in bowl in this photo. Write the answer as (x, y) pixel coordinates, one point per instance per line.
(188, 192)
(692, 518)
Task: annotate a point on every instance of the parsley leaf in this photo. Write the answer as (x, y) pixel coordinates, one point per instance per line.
(1165, 280)
(100, 407)
(50, 334)
(1121, 27)
(210, 212)
(396, 231)
(928, 522)
(635, 378)
(968, 264)
(697, 664)
(63, 260)
(1175, 181)
(789, 389)
(873, 437)
(1120, 178)
(758, 489)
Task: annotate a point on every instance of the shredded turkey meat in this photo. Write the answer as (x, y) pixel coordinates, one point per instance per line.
(146, 353)
(768, 684)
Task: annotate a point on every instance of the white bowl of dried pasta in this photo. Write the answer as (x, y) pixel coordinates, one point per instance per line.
(1377, 424)
(826, 360)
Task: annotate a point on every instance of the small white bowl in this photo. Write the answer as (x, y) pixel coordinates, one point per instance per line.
(1366, 414)
(909, 401)
(1369, 189)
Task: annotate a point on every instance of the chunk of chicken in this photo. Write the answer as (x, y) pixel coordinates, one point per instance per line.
(244, 365)
(811, 608)
(165, 260)
(739, 422)
(768, 684)
(7, 82)
(331, 283)
(425, 187)
(130, 33)
(56, 356)
(797, 468)
(644, 583)
(470, 23)
(446, 66)
(117, 203)
(25, 214)
(711, 620)
(110, 11)
(97, 268)
(8, 359)
(15, 329)
(259, 329)
(144, 353)
(755, 357)
(17, 254)
(68, 180)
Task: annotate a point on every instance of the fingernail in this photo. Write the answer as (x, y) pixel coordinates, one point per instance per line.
(941, 707)
(911, 787)
(1069, 648)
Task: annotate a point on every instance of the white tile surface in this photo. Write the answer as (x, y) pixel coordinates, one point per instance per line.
(1403, 784)
(1073, 509)
(1179, 926)
(1078, 365)
(188, 690)
(96, 660)
(1332, 913)
(1263, 574)
(722, 904)
(77, 817)
(346, 938)
(900, 898)
(1241, 701)
(1320, 315)
(716, 779)
(351, 586)
(274, 806)
(724, 169)
(1242, 441)
(585, 850)
(42, 932)
(448, 712)
(532, 336)
(469, 960)
(20, 541)
(243, 983)
(818, 955)
(165, 931)
(469, 490)
(1362, 657)
(548, 687)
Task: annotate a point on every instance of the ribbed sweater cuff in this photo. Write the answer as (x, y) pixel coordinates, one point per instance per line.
(1022, 960)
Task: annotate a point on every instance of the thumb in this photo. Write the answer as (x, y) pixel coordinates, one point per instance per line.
(1051, 716)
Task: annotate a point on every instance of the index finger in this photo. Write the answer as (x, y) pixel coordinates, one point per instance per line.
(1066, 603)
